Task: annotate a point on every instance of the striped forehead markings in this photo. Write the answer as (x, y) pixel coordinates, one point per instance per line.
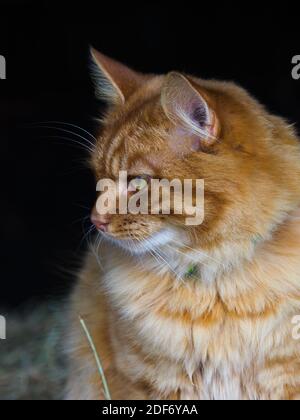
(112, 154)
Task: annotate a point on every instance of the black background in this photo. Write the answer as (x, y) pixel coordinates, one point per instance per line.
(46, 189)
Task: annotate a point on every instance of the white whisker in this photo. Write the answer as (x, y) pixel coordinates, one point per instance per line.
(158, 254)
(95, 250)
(190, 257)
(201, 253)
(69, 132)
(70, 125)
(83, 146)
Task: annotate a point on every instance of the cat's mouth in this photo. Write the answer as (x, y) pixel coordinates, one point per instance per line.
(138, 245)
(138, 236)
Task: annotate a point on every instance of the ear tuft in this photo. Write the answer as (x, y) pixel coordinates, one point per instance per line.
(114, 81)
(105, 88)
(184, 105)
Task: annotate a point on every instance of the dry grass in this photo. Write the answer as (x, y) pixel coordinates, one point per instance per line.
(32, 365)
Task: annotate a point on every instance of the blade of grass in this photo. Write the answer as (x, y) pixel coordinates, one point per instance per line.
(97, 358)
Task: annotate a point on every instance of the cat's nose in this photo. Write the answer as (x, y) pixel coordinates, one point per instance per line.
(101, 222)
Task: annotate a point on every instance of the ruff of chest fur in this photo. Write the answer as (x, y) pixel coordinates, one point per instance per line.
(180, 335)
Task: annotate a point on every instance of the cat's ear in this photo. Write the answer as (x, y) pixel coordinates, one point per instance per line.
(186, 107)
(114, 81)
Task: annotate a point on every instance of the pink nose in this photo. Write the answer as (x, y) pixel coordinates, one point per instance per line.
(99, 221)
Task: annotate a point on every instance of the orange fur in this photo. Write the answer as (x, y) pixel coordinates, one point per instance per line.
(227, 332)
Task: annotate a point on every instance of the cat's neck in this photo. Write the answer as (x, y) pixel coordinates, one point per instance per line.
(189, 265)
(231, 258)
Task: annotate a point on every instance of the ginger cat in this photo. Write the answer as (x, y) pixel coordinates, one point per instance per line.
(225, 330)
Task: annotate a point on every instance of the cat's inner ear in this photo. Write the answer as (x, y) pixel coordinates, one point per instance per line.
(186, 107)
(114, 82)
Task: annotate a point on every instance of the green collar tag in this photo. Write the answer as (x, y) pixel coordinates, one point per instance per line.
(192, 271)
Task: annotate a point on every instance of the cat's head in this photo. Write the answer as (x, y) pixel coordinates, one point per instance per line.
(178, 127)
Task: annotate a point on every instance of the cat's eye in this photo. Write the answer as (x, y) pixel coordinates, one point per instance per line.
(138, 183)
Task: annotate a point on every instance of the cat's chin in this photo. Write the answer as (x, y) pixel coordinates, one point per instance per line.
(165, 237)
